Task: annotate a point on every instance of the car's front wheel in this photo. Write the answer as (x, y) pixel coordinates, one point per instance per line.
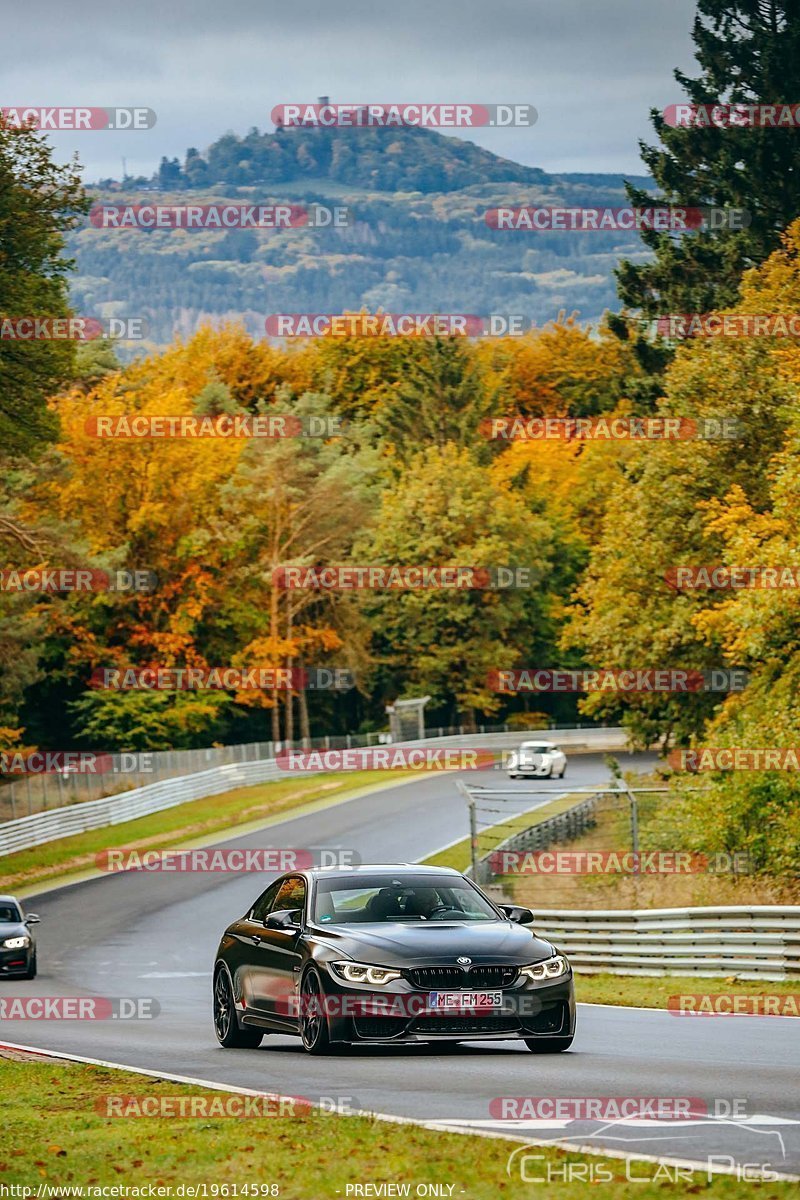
(314, 1031)
(226, 1026)
(31, 971)
(548, 1045)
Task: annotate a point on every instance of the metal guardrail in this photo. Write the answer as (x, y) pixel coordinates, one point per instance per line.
(26, 832)
(32, 793)
(562, 827)
(42, 827)
(750, 942)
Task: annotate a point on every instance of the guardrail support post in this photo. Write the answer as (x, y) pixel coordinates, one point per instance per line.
(473, 837)
(634, 828)
(473, 828)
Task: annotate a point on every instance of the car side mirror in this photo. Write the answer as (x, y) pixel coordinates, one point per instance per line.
(286, 919)
(522, 916)
(32, 919)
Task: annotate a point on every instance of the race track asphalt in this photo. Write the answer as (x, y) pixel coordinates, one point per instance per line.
(142, 934)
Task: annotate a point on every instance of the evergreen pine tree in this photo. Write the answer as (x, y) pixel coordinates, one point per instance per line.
(749, 52)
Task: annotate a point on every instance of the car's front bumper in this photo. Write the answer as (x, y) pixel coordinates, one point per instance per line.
(15, 962)
(402, 1016)
(534, 771)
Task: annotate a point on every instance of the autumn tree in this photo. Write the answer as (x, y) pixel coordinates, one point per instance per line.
(659, 512)
(446, 509)
(301, 502)
(561, 369)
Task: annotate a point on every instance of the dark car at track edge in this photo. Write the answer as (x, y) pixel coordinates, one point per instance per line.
(17, 943)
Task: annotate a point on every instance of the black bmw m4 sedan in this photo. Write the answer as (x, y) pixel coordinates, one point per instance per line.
(388, 954)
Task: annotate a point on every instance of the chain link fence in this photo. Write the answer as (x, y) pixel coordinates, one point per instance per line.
(23, 795)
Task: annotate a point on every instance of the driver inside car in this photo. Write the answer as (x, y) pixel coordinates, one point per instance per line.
(384, 905)
(427, 903)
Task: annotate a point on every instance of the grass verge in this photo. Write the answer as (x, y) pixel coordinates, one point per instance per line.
(552, 892)
(194, 820)
(62, 1140)
(654, 991)
(611, 889)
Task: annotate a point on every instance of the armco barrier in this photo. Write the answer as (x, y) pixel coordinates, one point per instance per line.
(749, 941)
(127, 806)
(153, 797)
(28, 794)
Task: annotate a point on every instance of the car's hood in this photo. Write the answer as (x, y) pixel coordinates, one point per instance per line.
(437, 943)
(9, 929)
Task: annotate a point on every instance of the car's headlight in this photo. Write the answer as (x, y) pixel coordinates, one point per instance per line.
(551, 968)
(16, 943)
(356, 972)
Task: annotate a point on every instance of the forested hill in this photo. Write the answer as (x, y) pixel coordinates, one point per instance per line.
(387, 160)
(417, 240)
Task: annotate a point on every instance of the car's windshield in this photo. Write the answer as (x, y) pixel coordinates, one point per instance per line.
(9, 914)
(406, 898)
(536, 748)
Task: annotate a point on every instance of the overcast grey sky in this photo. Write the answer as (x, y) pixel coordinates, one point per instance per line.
(592, 68)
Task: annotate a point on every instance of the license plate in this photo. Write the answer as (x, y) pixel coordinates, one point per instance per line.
(449, 1001)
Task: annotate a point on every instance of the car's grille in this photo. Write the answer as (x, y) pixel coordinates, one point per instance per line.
(466, 1025)
(379, 1027)
(458, 980)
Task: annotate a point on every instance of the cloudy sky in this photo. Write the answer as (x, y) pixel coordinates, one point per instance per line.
(592, 68)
